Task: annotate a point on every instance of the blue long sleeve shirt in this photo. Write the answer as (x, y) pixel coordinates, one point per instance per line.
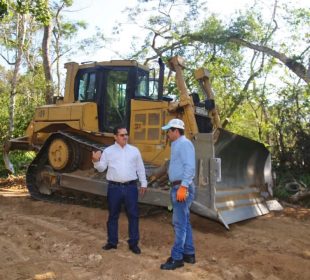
(182, 161)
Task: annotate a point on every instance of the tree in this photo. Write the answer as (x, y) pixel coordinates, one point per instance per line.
(244, 55)
(63, 31)
(13, 38)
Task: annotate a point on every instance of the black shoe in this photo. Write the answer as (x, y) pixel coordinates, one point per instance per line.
(172, 264)
(189, 258)
(109, 246)
(135, 249)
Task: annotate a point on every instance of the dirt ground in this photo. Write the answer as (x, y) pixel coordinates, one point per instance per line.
(43, 240)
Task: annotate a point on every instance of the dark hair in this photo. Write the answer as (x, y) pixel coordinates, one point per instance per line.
(181, 131)
(117, 128)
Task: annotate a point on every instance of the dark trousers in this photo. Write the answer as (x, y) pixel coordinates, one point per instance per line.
(117, 195)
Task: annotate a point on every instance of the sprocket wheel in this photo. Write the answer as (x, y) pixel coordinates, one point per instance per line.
(63, 155)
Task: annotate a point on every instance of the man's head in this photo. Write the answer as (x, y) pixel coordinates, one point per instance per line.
(120, 135)
(175, 128)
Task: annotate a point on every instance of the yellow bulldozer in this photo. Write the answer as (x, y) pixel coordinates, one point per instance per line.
(233, 174)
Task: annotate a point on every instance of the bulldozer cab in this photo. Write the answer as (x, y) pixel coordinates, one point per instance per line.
(112, 88)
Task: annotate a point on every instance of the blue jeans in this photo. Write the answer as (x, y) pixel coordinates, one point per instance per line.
(183, 243)
(117, 195)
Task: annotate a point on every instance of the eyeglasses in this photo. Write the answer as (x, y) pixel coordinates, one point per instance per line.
(170, 129)
(123, 135)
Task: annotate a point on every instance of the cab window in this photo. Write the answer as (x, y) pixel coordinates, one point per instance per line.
(142, 89)
(115, 105)
(87, 87)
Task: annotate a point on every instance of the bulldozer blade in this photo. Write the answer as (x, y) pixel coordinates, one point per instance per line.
(246, 177)
(8, 164)
(20, 143)
(234, 176)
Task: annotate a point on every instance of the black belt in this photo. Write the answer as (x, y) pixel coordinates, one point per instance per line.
(175, 183)
(133, 182)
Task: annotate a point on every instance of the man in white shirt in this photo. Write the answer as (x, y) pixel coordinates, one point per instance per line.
(125, 166)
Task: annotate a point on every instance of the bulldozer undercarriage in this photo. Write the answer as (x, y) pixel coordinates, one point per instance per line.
(63, 171)
(55, 174)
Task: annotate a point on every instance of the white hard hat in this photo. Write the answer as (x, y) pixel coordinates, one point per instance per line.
(176, 123)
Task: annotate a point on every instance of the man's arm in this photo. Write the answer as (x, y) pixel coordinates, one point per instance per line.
(187, 155)
(188, 161)
(141, 173)
(99, 160)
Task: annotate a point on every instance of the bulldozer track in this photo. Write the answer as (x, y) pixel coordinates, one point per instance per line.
(67, 196)
(61, 195)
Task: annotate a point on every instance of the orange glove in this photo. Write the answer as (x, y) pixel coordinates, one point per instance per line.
(182, 194)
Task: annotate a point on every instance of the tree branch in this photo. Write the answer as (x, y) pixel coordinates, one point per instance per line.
(291, 63)
(7, 61)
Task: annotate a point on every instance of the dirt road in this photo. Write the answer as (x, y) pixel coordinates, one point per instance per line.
(42, 240)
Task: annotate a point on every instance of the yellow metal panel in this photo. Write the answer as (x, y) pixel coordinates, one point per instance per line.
(147, 118)
(72, 68)
(154, 154)
(59, 113)
(146, 127)
(89, 121)
(76, 115)
(137, 105)
(37, 126)
(76, 111)
(201, 73)
(29, 130)
(41, 114)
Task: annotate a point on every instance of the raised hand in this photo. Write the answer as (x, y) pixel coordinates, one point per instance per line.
(96, 156)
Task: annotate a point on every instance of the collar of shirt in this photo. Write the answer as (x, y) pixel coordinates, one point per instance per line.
(119, 146)
(178, 140)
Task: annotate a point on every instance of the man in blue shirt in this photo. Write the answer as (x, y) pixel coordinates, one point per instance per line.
(181, 174)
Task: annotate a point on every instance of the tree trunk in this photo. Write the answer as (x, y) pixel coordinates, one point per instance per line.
(21, 31)
(57, 36)
(49, 92)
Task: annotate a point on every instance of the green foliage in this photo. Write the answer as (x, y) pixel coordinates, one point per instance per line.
(38, 8)
(291, 135)
(30, 94)
(212, 30)
(69, 29)
(281, 193)
(286, 176)
(4, 117)
(20, 160)
(247, 27)
(305, 179)
(245, 122)
(3, 8)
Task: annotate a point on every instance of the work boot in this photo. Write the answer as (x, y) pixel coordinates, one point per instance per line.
(172, 264)
(135, 249)
(189, 258)
(109, 246)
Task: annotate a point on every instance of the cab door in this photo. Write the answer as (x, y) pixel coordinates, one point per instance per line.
(114, 102)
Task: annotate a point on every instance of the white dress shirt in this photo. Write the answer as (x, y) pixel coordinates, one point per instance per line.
(124, 164)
